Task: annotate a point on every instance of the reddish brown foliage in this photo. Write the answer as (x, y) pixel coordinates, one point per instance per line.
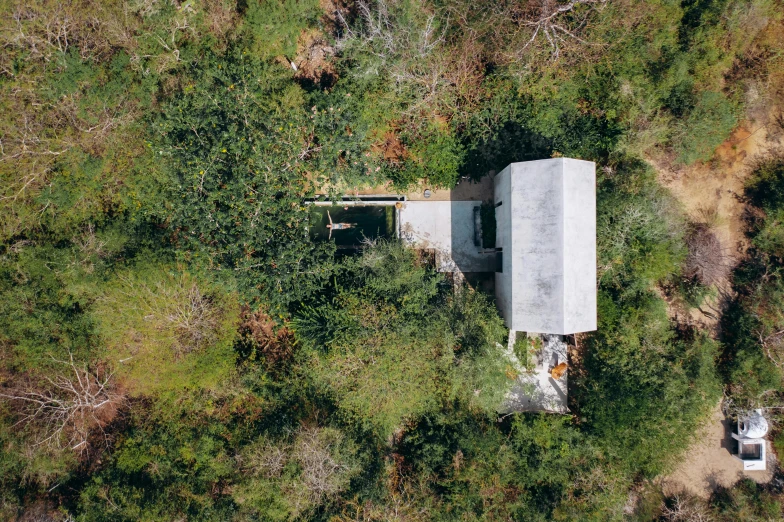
(391, 148)
(69, 409)
(264, 336)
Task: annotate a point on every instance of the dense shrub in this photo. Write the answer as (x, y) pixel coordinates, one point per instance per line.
(390, 342)
(747, 500)
(640, 375)
(236, 183)
(639, 230)
(707, 125)
(156, 159)
(755, 351)
(177, 330)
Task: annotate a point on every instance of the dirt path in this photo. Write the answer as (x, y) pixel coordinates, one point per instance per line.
(709, 463)
(711, 193)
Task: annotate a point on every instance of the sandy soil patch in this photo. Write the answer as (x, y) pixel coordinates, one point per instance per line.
(709, 463)
(712, 193)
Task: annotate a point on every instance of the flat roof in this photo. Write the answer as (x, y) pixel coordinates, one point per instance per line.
(546, 228)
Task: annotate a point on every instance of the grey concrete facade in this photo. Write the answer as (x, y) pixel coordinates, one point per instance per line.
(546, 228)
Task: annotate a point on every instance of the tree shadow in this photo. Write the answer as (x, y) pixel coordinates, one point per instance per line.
(511, 143)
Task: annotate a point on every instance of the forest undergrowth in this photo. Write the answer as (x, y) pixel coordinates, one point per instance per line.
(175, 346)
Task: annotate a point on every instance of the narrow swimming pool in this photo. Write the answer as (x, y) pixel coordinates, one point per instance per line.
(356, 222)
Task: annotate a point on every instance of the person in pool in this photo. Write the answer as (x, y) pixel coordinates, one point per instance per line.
(337, 226)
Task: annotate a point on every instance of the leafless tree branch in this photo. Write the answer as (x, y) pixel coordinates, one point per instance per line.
(70, 406)
(547, 22)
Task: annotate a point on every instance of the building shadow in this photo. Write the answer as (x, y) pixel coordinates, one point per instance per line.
(559, 391)
(467, 251)
(727, 442)
(473, 190)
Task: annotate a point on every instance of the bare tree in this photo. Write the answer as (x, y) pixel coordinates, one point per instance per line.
(548, 19)
(773, 345)
(176, 305)
(682, 508)
(194, 318)
(267, 460)
(323, 474)
(707, 260)
(90, 247)
(405, 49)
(386, 38)
(321, 455)
(73, 404)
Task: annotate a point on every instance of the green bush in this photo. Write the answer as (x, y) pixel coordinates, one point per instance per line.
(231, 142)
(275, 27)
(164, 468)
(169, 329)
(389, 341)
(747, 500)
(536, 467)
(640, 230)
(638, 370)
(641, 378)
(435, 159)
(765, 188)
(43, 313)
(750, 326)
(706, 126)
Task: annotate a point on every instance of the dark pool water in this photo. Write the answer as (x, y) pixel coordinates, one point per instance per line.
(370, 222)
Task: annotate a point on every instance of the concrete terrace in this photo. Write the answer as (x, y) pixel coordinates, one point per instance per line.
(447, 227)
(537, 390)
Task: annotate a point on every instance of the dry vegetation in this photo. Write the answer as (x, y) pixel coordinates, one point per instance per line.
(66, 408)
(707, 260)
(155, 161)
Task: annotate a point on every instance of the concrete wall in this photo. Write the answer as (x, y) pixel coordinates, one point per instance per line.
(547, 229)
(503, 239)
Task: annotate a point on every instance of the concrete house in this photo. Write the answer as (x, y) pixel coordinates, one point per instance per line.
(544, 258)
(546, 238)
(542, 266)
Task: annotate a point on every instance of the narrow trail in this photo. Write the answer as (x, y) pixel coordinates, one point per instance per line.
(712, 193)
